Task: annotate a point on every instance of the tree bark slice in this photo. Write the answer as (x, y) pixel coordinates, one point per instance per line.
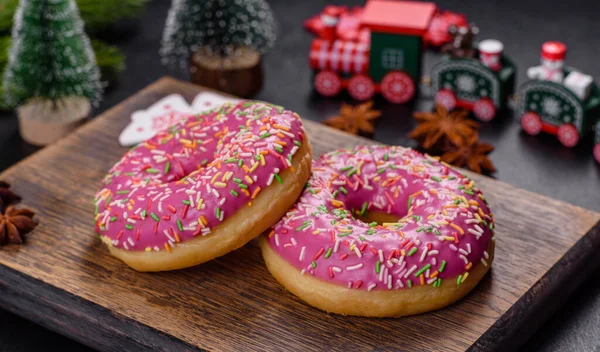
(42, 121)
(239, 74)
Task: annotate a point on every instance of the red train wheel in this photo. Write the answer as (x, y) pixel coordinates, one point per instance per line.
(568, 135)
(446, 98)
(484, 110)
(328, 83)
(597, 152)
(397, 87)
(531, 123)
(361, 87)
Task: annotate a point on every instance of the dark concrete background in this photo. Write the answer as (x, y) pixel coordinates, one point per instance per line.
(539, 164)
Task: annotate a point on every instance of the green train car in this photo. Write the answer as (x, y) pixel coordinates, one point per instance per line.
(467, 83)
(545, 106)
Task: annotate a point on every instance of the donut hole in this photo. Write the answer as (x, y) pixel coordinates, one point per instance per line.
(379, 217)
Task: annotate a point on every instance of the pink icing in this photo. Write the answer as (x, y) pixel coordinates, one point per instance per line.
(320, 237)
(188, 179)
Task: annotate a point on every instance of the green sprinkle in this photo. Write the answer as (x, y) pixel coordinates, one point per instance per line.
(343, 190)
(370, 232)
(344, 234)
(458, 280)
(240, 163)
(179, 225)
(265, 135)
(102, 228)
(491, 225)
(421, 229)
(380, 171)
(234, 192)
(167, 167)
(373, 224)
(123, 191)
(335, 193)
(386, 156)
(469, 192)
(153, 216)
(328, 254)
(363, 210)
(314, 264)
(437, 232)
(412, 251)
(218, 213)
(247, 104)
(237, 180)
(231, 160)
(451, 178)
(278, 149)
(144, 214)
(410, 199)
(378, 267)
(257, 158)
(438, 282)
(113, 219)
(297, 143)
(422, 270)
(435, 178)
(96, 210)
(204, 162)
(108, 200)
(361, 238)
(352, 172)
(461, 187)
(278, 179)
(409, 283)
(129, 227)
(186, 202)
(442, 266)
(456, 201)
(312, 191)
(346, 168)
(241, 185)
(152, 171)
(303, 226)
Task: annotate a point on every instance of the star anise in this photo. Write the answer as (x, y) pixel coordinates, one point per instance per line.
(14, 224)
(472, 155)
(7, 197)
(355, 119)
(439, 128)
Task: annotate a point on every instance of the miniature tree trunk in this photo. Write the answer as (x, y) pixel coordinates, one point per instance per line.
(240, 74)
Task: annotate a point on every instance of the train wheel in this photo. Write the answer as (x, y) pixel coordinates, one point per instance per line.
(597, 152)
(397, 87)
(446, 98)
(531, 123)
(484, 110)
(328, 83)
(568, 135)
(361, 87)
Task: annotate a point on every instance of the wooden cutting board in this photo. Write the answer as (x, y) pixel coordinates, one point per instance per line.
(64, 278)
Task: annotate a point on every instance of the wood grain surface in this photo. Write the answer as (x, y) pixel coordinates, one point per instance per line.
(64, 278)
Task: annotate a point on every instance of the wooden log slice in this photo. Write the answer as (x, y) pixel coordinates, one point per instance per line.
(239, 74)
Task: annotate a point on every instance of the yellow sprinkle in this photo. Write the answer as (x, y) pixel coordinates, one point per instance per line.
(226, 176)
(215, 177)
(316, 232)
(262, 160)
(255, 165)
(464, 277)
(445, 212)
(185, 141)
(200, 203)
(471, 184)
(457, 228)
(442, 222)
(148, 249)
(473, 202)
(360, 164)
(477, 216)
(248, 179)
(448, 238)
(220, 184)
(390, 224)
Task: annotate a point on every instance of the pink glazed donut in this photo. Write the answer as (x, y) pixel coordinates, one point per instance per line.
(382, 231)
(204, 187)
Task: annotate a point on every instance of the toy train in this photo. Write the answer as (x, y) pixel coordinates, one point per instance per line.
(378, 49)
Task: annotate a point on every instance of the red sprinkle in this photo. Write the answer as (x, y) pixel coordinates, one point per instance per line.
(137, 234)
(358, 283)
(120, 234)
(330, 271)
(343, 256)
(167, 217)
(172, 209)
(362, 248)
(321, 250)
(184, 211)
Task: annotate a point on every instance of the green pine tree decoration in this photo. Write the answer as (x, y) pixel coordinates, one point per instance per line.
(220, 41)
(51, 56)
(51, 72)
(219, 27)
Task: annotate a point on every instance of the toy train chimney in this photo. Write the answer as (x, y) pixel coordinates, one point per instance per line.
(330, 18)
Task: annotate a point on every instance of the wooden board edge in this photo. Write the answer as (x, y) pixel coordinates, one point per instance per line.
(79, 319)
(519, 323)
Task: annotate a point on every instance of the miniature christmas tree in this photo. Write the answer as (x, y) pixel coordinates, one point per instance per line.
(51, 72)
(222, 40)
